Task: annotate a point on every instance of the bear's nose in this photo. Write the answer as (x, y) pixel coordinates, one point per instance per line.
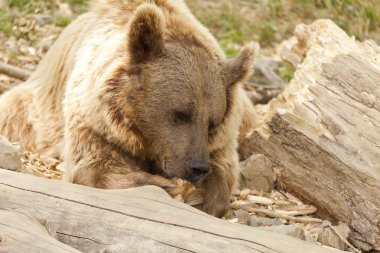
(198, 169)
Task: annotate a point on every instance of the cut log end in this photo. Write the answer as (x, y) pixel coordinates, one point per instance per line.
(323, 133)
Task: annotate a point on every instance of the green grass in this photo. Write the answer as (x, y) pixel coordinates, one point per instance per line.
(286, 71)
(62, 21)
(237, 22)
(269, 22)
(20, 4)
(276, 7)
(360, 18)
(18, 8)
(32, 6)
(6, 23)
(37, 6)
(78, 2)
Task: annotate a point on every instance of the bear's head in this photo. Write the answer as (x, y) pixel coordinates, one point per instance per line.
(180, 93)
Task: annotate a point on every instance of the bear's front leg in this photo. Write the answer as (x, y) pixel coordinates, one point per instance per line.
(104, 173)
(92, 161)
(217, 188)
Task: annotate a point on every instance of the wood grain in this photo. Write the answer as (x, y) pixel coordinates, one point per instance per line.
(323, 131)
(142, 219)
(20, 232)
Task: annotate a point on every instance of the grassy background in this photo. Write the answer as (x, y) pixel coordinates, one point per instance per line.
(271, 21)
(237, 22)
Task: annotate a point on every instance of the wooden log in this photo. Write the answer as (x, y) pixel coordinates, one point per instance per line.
(323, 131)
(142, 219)
(20, 232)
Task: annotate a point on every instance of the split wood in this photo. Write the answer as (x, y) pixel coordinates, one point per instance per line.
(306, 211)
(276, 215)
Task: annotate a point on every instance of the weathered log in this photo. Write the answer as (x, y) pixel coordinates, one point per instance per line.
(323, 131)
(142, 219)
(20, 232)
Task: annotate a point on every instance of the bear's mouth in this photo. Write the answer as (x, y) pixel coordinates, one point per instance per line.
(165, 170)
(162, 168)
(159, 168)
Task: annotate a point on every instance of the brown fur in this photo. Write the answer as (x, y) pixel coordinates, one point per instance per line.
(134, 93)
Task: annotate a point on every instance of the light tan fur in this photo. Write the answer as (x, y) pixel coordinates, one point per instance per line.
(65, 109)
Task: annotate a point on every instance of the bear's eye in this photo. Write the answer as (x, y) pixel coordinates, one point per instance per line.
(181, 117)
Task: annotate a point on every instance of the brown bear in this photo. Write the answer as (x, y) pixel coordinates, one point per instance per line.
(136, 93)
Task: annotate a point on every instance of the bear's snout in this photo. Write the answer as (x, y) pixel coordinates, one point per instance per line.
(198, 170)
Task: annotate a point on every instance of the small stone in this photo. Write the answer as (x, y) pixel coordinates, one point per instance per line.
(289, 230)
(64, 11)
(315, 230)
(43, 19)
(256, 221)
(329, 238)
(11, 46)
(46, 43)
(234, 220)
(10, 154)
(242, 216)
(311, 239)
(257, 173)
(343, 229)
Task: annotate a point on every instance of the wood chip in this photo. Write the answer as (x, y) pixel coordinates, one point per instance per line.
(259, 200)
(41, 166)
(305, 211)
(245, 192)
(277, 215)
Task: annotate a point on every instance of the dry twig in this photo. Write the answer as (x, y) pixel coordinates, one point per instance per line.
(14, 71)
(276, 215)
(344, 239)
(304, 211)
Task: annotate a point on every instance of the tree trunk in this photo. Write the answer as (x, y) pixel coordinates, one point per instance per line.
(142, 219)
(323, 131)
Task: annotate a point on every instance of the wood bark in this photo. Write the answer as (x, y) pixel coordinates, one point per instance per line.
(323, 131)
(142, 219)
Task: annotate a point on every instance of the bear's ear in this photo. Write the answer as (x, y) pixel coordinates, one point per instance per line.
(145, 37)
(239, 68)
